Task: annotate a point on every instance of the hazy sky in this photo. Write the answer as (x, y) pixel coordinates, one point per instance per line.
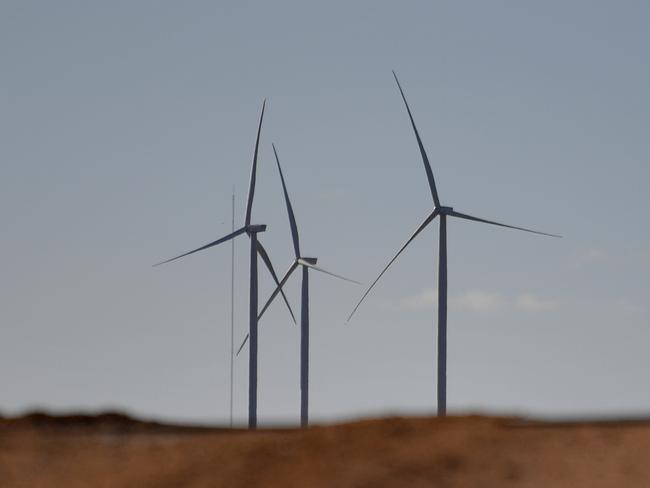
(124, 125)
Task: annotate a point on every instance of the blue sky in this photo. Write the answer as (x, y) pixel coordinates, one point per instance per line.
(124, 126)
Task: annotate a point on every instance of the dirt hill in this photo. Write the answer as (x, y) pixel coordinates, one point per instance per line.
(112, 450)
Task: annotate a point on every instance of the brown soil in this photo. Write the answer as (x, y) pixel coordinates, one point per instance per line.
(112, 450)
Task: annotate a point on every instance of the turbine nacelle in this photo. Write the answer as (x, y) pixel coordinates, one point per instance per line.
(445, 210)
(254, 228)
(311, 261)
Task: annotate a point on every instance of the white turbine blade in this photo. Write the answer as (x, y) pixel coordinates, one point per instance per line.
(278, 289)
(242, 344)
(218, 241)
(426, 222)
(265, 257)
(270, 300)
(251, 185)
(317, 268)
(453, 213)
(292, 217)
(425, 159)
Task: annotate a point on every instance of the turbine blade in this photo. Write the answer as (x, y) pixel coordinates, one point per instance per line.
(270, 300)
(453, 213)
(242, 344)
(278, 289)
(426, 222)
(317, 268)
(218, 241)
(425, 159)
(292, 218)
(265, 257)
(251, 185)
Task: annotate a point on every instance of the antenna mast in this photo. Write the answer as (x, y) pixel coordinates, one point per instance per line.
(232, 304)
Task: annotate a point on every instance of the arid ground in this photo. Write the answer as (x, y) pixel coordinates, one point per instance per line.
(112, 450)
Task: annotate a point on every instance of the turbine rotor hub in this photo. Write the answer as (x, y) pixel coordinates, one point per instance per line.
(445, 210)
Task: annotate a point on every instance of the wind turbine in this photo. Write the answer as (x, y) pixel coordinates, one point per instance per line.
(443, 212)
(306, 264)
(255, 248)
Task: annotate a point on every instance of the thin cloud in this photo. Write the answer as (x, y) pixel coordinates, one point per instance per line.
(626, 307)
(592, 255)
(644, 257)
(481, 301)
(427, 298)
(529, 302)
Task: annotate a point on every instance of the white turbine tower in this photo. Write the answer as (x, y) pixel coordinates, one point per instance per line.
(443, 212)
